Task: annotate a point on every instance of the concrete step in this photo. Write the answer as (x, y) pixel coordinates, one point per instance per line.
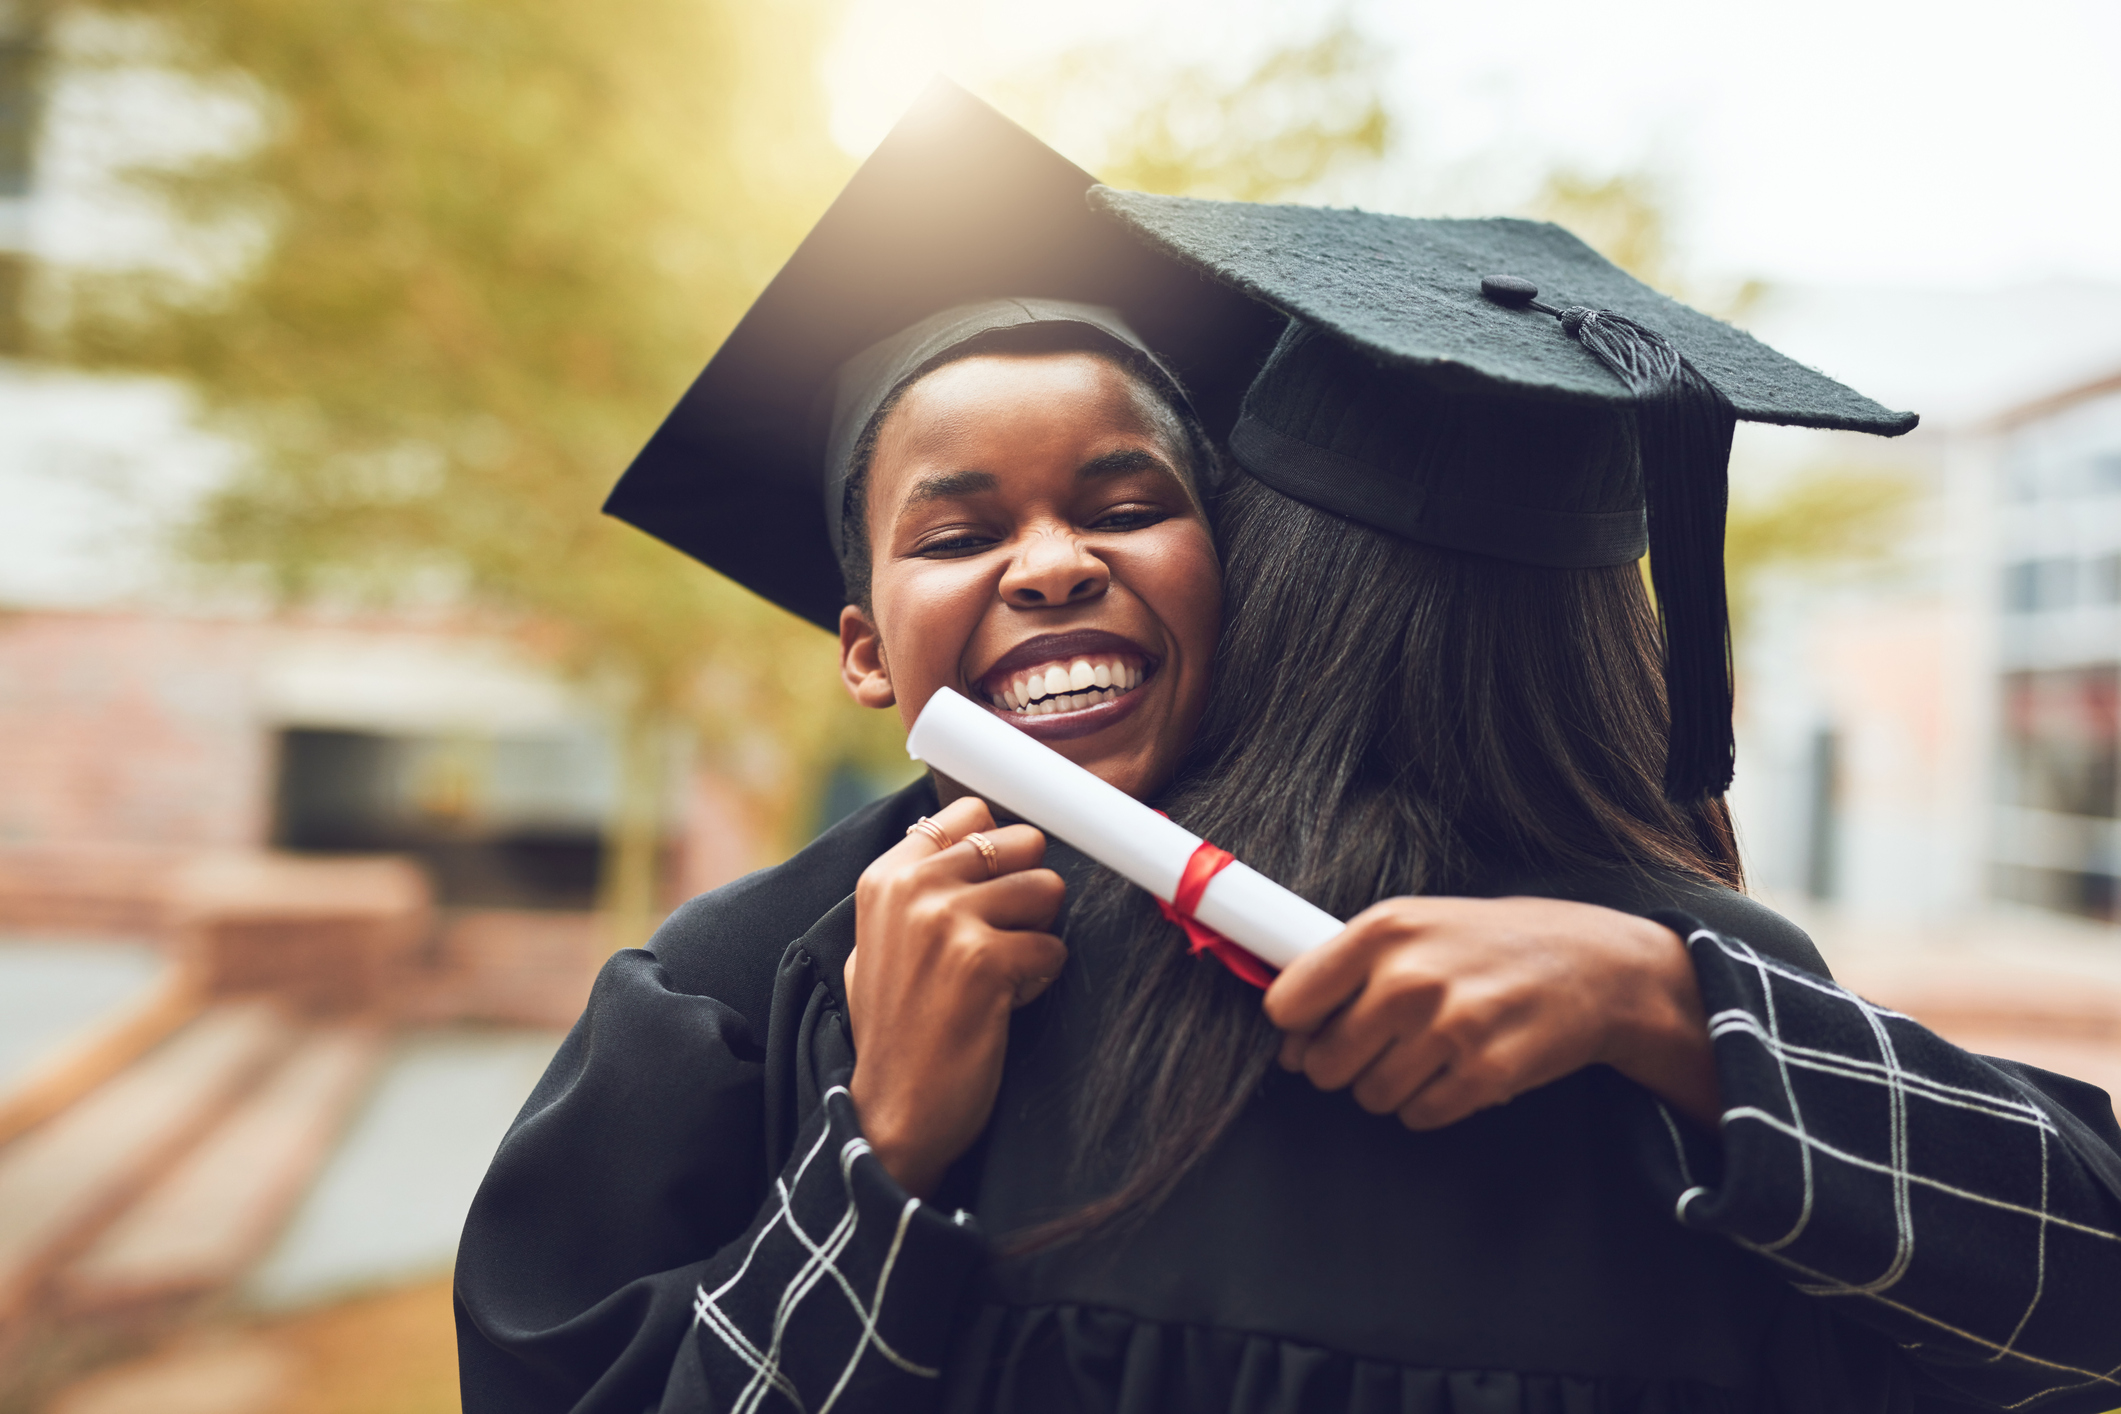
(520, 967)
(390, 1203)
(64, 1179)
(230, 1376)
(206, 1220)
(93, 1053)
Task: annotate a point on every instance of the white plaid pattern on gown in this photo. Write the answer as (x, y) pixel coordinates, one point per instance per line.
(1969, 1209)
(840, 1295)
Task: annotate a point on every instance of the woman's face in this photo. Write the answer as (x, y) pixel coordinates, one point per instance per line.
(1035, 545)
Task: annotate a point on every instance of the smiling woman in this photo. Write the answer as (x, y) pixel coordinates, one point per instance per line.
(1026, 528)
(1022, 516)
(990, 399)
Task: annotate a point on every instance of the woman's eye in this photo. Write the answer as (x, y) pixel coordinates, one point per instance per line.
(961, 544)
(1130, 518)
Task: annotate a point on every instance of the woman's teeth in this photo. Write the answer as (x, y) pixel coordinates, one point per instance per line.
(1069, 687)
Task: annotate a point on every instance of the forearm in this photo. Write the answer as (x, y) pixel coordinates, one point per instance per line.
(1662, 1042)
(843, 1289)
(624, 1250)
(1923, 1191)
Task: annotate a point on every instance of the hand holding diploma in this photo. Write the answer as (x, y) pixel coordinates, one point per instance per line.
(995, 761)
(950, 937)
(950, 927)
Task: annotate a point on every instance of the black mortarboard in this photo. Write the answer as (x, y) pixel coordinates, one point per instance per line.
(958, 207)
(1497, 386)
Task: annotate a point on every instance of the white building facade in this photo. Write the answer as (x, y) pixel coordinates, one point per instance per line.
(2056, 842)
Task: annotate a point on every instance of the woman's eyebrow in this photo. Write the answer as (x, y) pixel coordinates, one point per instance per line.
(1120, 463)
(950, 484)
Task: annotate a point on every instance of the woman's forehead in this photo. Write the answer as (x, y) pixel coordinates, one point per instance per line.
(984, 377)
(1004, 401)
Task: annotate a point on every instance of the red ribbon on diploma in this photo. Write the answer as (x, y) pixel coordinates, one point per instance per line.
(1205, 863)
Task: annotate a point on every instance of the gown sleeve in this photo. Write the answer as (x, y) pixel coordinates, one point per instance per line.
(1967, 1208)
(632, 1248)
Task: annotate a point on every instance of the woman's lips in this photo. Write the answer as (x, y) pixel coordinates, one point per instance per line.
(1077, 722)
(1057, 686)
(1068, 685)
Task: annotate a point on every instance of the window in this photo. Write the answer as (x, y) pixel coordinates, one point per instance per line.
(2021, 587)
(2030, 586)
(498, 823)
(2103, 580)
(2059, 766)
(2059, 739)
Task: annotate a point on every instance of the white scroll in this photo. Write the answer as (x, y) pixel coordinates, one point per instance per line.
(1006, 767)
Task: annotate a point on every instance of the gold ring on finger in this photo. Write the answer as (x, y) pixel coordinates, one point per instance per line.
(986, 850)
(931, 831)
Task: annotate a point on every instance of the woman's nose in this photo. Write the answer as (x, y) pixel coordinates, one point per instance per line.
(1054, 569)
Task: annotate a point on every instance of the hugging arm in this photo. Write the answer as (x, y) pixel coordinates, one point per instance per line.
(629, 1249)
(1969, 1209)
(840, 1296)
(685, 1219)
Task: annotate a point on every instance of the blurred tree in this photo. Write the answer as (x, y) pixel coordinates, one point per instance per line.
(472, 255)
(1627, 217)
(495, 240)
(22, 28)
(1825, 519)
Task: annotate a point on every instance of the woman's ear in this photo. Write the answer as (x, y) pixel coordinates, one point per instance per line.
(862, 666)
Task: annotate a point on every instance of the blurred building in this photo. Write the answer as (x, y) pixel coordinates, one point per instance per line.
(1929, 738)
(126, 732)
(2057, 547)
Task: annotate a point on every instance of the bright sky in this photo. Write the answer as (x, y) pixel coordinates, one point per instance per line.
(1814, 141)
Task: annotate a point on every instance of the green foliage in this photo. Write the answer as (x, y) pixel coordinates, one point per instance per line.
(500, 236)
(1825, 520)
(1627, 218)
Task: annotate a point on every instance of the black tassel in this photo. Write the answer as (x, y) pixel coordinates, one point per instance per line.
(1683, 426)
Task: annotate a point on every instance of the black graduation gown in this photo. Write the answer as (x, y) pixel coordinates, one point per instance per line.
(685, 1216)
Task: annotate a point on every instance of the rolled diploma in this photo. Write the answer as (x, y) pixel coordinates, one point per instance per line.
(1011, 769)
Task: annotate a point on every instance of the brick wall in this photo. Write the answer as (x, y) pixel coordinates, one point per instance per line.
(133, 744)
(131, 730)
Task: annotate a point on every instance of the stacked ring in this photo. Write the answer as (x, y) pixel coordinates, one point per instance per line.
(932, 831)
(985, 847)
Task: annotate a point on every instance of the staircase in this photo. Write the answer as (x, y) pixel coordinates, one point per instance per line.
(167, 1181)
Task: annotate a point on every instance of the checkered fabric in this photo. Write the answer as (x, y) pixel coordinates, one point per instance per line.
(841, 1294)
(1969, 1209)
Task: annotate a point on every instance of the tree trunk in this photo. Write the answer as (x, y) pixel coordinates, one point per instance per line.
(633, 836)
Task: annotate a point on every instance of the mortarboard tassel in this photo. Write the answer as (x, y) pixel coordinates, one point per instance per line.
(1683, 427)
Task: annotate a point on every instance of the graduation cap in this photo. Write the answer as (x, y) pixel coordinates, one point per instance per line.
(1496, 386)
(958, 207)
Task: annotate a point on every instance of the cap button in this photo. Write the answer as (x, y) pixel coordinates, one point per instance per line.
(1509, 290)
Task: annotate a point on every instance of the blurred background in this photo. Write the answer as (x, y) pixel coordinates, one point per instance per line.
(340, 738)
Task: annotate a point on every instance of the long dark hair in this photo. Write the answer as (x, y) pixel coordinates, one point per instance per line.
(1387, 719)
